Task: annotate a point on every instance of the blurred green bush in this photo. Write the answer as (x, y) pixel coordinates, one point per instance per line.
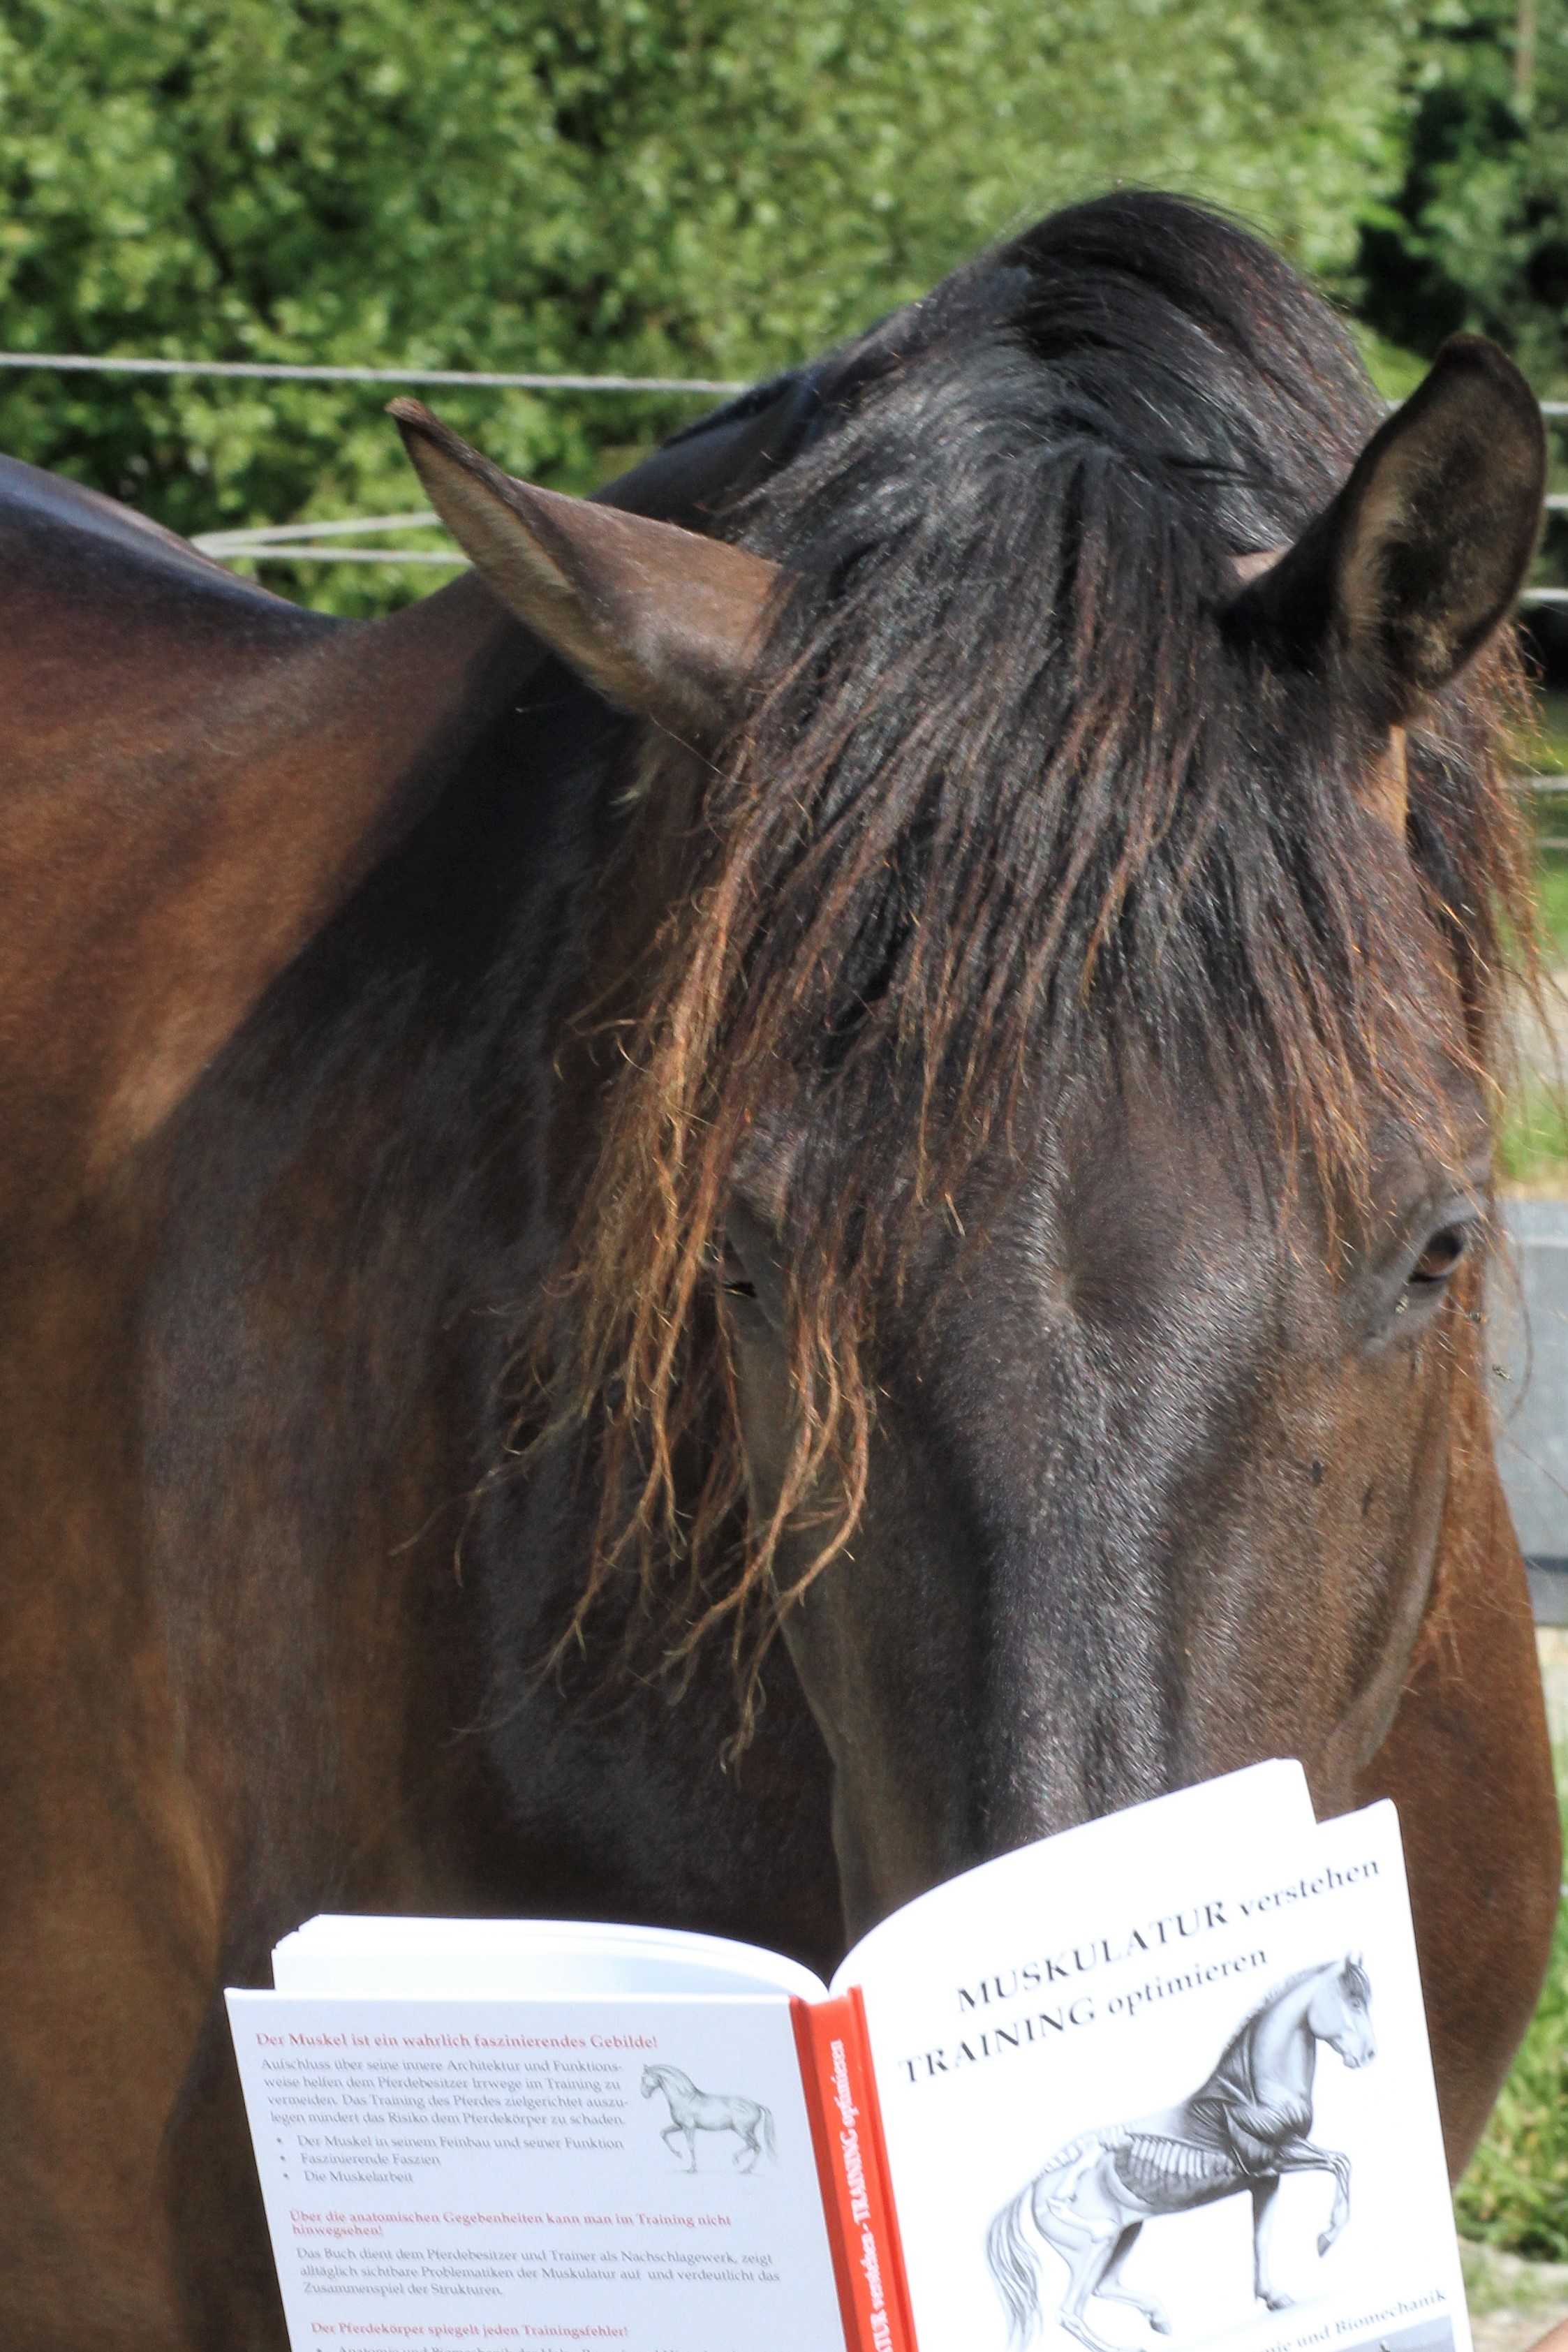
(711, 187)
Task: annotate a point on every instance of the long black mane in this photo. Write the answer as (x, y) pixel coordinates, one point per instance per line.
(1019, 791)
(1010, 743)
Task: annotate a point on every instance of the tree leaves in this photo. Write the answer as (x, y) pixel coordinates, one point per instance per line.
(713, 187)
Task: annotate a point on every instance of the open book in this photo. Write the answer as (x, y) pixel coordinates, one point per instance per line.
(1162, 2076)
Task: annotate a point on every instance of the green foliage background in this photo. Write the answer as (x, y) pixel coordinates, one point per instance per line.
(710, 187)
(1477, 235)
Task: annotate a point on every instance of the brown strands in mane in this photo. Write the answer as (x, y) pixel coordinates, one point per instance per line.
(1013, 791)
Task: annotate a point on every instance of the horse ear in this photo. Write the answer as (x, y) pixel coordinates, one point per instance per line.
(1414, 565)
(659, 621)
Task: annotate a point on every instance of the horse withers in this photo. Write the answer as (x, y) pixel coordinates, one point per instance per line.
(886, 1037)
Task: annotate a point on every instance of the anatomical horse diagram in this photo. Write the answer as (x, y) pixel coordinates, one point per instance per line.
(1248, 2126)
(691, 2111)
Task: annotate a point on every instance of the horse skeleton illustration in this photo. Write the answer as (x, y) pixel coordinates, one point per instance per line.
(1245, 2128)
(691, 2111)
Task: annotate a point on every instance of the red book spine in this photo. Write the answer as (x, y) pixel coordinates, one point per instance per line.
(852, 2165)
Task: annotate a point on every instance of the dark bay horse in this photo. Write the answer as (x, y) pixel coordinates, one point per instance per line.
(1246, 2127)
(887, 1034)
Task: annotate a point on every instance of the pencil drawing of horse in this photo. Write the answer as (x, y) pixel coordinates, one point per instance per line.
(790, 1189)
(1245, 2128)
(691, 2111)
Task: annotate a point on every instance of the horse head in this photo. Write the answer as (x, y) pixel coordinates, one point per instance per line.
(652, 2081)
(1029, 1249)
(1339, 2012)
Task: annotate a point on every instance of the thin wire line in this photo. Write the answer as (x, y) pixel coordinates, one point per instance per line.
(333, 556)
(279, 372)
(242, 537)
(282, 372)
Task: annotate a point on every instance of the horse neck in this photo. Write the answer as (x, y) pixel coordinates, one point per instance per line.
(1284, 2047)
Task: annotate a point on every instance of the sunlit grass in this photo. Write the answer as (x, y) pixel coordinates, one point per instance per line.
(1552, 890)
(1533, 1148)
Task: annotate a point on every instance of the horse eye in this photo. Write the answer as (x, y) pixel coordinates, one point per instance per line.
(733, 1279)
(1441, 1255)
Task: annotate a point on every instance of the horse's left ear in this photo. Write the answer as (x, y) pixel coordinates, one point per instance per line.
(1417, 562)
(660, 621)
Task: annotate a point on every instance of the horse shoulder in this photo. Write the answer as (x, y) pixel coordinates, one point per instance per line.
(195, 776)
(192, 773)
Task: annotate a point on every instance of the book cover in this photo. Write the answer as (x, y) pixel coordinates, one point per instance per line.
(1163, 2079)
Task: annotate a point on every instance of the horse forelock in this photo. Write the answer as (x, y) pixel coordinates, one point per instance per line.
(1012, 797)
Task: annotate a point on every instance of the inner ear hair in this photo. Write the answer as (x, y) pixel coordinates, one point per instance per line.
(1253, 566)
(1387, 791)
(1414, 567)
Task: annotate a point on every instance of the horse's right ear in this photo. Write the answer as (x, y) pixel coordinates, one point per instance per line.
(660, 621)
(1417, 562)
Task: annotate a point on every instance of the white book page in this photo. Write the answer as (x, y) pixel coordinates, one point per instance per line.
(1266, 1802)
(1039, 2066)
(346, 1952)
(531, 2173)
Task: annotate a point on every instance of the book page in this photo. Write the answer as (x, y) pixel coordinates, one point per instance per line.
(1190, 2102)
(1263, 1803)
(414, 1956)
(636, 2172)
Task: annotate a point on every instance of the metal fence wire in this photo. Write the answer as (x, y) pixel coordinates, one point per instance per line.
(293, 542)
